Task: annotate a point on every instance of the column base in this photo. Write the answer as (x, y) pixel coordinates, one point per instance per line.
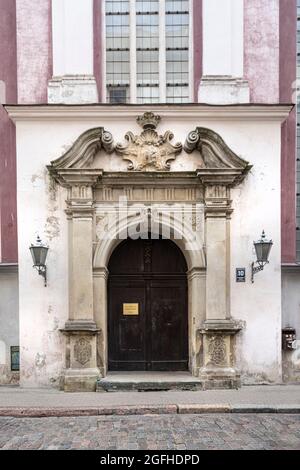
(219, 378)
(81, 371)
(223, 90)
(72, 89)
(80, 380)
(218, 370)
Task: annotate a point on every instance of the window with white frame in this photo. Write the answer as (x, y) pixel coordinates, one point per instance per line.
(147, 51)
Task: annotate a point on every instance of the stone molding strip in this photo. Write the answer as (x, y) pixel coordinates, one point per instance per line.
(39, 412)
(250, 112)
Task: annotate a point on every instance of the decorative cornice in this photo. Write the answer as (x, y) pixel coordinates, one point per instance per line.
(291, 268)
(9, 268)
(84, 149)
(80, 326)
(224, 327)
(111, 113)
(218, 163)
(75, 177)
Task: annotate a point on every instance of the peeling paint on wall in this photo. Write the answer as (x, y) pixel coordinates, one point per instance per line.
(40, 360)
(52, 227)
(261, 57)
(34, 50)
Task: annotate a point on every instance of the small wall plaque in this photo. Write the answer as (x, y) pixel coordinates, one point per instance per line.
(240, 274)
(130, 309)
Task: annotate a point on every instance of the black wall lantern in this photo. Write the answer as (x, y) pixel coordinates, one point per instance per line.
(39, 253)
(262, 250)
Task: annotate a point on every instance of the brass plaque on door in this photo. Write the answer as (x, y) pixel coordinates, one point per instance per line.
(130, 309)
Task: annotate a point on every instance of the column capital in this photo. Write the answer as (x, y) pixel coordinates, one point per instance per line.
(217, 200)
(196, 273)
(101, 273)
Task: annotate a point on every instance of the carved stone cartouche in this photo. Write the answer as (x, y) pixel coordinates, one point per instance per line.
(149, 151)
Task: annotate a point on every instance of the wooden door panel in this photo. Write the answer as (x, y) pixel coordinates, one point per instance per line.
(169, 335)
(127, 349)
(152, 274)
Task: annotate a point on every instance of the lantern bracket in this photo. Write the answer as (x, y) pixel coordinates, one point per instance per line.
(257, 269)
(42, 270)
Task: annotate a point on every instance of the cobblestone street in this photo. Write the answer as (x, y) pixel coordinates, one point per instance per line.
(185, 432)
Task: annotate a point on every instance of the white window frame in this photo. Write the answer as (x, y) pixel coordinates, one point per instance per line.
(162, 53)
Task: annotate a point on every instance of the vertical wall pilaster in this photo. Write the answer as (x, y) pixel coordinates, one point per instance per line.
(196, 289)
(73, 53)
(223, 53)
(100, 293)
(218, 329)
(81, 330)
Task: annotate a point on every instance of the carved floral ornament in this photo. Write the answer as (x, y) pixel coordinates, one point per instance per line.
(149, 152)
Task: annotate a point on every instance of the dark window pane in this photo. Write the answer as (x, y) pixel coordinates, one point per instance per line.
(117, 51)
(117, 95)
(15, 358)
(177, 53)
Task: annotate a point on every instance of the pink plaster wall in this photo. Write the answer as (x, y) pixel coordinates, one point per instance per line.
(288, 32)
(98, 72)
(198, 46)
(8, 74)
(261, 56)
(34, 50)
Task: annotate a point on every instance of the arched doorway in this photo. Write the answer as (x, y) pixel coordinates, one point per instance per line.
(147, 306)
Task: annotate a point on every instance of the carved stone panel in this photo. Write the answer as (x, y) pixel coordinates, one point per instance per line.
(82, 351)
(217, 350)
(149, 151)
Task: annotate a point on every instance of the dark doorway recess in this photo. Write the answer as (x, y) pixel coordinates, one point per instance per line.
(147, 307)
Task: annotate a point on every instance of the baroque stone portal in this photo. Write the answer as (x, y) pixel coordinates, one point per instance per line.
(92, 192)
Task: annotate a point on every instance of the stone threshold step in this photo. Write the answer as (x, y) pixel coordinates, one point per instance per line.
(159, 382)
(127, 410)
(113, 386)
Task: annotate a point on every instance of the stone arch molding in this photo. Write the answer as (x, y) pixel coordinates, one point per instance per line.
(190, 244)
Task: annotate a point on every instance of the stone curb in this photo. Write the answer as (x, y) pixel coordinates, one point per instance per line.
(127, 410)
(197, 409)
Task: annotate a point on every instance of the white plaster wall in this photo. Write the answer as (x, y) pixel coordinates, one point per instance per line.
(43, 310)
(223, 38)
(291, 317)
(256, 202)
(256, 206)
(9, 323)
(72, 34)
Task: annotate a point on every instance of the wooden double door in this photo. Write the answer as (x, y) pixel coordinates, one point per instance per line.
(147, 307)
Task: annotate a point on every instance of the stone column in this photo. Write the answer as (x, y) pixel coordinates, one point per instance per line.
(223, 53)
(80, 330)
(73, 78)
(218, 329)
(100, 309)
(196, 289)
